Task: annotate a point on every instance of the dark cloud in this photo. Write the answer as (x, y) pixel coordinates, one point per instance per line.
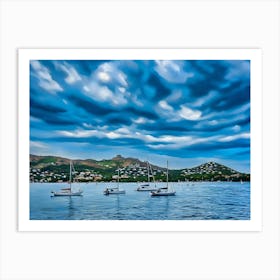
(90, 106)
(161, 91)
(215, 145)
(46, 108)
(117, 120)
(230, 97)
(54, 119)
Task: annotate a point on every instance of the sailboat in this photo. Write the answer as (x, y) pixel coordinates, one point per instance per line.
(114, 190)
(146, 186)
(165, 191)
(68, 191)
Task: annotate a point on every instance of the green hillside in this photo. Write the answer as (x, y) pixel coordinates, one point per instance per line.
(56, 169)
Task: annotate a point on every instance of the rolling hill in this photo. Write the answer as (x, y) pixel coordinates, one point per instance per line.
(53, 169)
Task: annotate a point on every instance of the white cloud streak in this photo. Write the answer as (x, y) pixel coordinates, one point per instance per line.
(172, 71)
(235, 137)
(70, 71)
(189, 114)
(37, 144)
(165, 106)
(46, 81)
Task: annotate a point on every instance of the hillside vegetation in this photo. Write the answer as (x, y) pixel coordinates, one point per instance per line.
(56, 169)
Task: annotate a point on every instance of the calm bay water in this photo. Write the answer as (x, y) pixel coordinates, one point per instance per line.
(193, 201)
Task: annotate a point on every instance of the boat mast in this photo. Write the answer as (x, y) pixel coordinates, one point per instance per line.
(152, 174)
(148, 171)
(167, 173)
(118, 176)
(70, 176)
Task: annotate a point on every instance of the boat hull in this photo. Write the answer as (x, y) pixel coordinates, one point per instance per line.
(163, 193)
(113, 191)
(68, 194)
(146, 189)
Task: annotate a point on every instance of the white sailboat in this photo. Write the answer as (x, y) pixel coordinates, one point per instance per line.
(114, 190)
(68, 191)
(165, 191)
(146, 186)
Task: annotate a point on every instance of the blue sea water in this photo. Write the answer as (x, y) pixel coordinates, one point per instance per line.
(193, 201)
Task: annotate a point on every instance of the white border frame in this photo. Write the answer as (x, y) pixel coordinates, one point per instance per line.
(24, 57)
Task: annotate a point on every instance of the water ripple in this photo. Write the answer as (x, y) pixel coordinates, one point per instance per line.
(198, 201)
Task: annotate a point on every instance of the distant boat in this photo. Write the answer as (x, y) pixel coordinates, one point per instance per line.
(114, 190)
(165, 191)
(68, 191)
(146, 186)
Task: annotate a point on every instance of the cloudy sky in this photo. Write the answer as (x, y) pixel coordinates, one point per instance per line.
(187, 111)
